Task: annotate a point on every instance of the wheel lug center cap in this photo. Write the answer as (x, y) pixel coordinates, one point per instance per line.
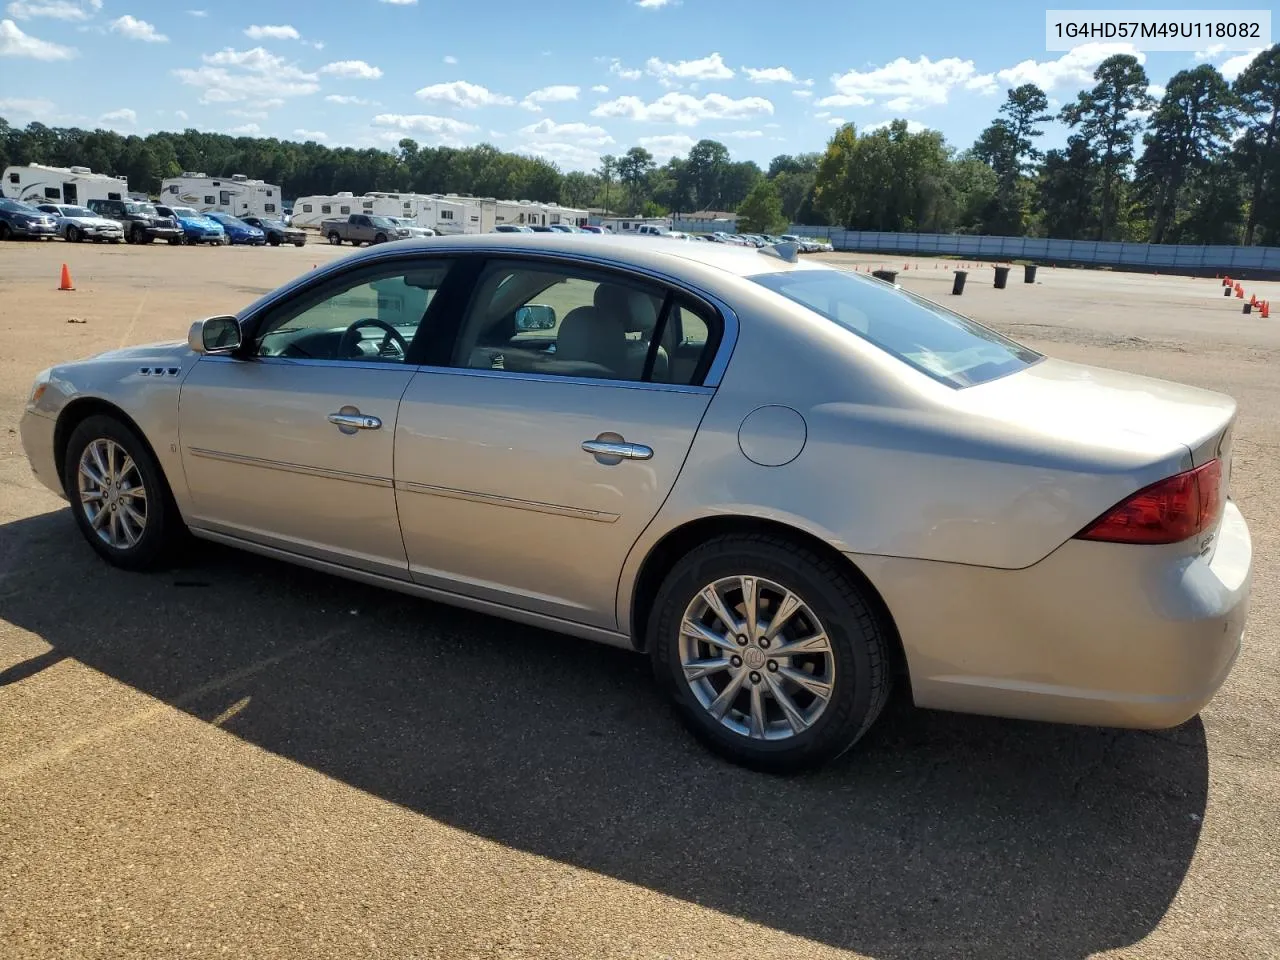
(753, 657)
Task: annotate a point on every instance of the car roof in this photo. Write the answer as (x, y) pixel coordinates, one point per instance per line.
(656, 253)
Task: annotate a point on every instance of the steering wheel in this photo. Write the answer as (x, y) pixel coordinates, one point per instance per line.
(350, 337)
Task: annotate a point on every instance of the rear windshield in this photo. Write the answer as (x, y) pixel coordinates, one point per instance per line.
(144, 208)
(934, 340)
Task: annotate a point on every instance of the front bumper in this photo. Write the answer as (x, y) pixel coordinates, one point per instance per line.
(163, 233)
(1096, 633)
(34, 229)
(37, 442)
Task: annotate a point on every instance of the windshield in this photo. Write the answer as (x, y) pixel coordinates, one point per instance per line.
(934, 340)
(144, 208)
(227, 220)
(77, 212)
(184, 211)
(381, 222)
(17, 206)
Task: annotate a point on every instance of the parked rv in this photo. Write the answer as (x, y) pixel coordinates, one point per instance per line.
(141, 221)
(80, 223)
(37, 183)
(236, 195)
(360, 228)
(309, 211)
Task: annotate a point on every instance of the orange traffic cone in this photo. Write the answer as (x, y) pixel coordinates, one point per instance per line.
(1239, 292)
(66, 283)
(1266, 309)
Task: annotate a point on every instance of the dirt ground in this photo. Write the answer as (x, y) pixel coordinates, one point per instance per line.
(244, 759)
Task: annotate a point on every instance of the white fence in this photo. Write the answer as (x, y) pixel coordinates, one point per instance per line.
(1042, 250)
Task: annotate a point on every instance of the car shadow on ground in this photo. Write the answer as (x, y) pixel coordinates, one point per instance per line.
(938, 835)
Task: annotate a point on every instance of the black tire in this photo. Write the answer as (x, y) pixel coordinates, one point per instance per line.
(380, 238)
(335, 238)
(178, 241)
(859, 648)
(5, 232)
(273, 240)
(74, 234)
(163, 531)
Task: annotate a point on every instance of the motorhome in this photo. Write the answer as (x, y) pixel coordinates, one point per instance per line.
(237, 195)
(37, 183)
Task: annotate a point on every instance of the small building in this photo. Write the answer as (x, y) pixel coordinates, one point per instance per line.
(708, 221)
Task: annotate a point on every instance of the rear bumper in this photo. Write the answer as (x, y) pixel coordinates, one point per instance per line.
(1096, 633)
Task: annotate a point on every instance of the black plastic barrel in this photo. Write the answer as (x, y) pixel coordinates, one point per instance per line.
(1226, 292)
(1002, 277)
(1248, 307)
(957, 284)
(1029, 273)
(888, 276)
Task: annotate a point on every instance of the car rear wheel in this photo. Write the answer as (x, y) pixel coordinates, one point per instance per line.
(335, 239)
(775, 657)
(119, 496)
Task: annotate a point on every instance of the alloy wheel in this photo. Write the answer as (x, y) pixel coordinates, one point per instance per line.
(112, 494)
(756, 657)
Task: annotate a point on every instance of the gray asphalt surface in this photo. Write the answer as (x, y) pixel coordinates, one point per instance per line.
(242, 758)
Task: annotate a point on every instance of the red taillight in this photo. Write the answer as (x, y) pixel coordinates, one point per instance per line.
(1168, 511)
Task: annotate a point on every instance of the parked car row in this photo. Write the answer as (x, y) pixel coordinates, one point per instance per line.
(139, 221)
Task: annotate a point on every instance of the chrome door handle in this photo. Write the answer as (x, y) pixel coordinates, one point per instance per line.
(355, 421)
(618, 449)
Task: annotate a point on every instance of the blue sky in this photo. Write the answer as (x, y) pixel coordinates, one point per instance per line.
(567, 79)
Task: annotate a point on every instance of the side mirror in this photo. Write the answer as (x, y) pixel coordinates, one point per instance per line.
(536, 316)
(214, 335)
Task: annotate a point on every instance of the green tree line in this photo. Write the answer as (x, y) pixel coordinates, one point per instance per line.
(1200, 165)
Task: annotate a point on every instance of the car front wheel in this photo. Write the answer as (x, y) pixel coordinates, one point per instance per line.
(776, 658)
(119, 496)
(74, 234)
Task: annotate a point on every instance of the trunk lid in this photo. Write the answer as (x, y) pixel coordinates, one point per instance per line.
(1094, 407)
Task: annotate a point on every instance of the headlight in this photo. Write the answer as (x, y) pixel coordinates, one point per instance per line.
(38, 387)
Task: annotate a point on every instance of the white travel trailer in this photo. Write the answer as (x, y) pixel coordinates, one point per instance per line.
(236, 195)
(309, 211)
(450, 216)
(37, 183)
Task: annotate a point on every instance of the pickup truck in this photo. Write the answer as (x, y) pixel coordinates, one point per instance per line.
(361, 228)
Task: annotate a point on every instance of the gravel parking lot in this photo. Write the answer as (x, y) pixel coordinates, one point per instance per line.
(241, 758)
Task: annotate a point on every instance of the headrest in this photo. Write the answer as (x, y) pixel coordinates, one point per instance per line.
(587, 334)
(637, 311)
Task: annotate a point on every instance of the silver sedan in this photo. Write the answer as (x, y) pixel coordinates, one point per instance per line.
(791, 486)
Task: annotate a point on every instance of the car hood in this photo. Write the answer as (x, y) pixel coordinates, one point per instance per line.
(159, 352)
(204, 223)
(91, 221)
(1079, 405)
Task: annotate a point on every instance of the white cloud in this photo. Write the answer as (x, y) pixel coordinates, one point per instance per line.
(802, 94)
(913, 126)
(822, 115)
(626, 73)
(654, 4)
(905, 84)
(669, 145)
(281, 32)
(741, 134)
(568, 156)
(318, 44)
(352, 70)
(124, 116)
(770, 75)
(710, 67)
(450, 59)
(557, 93)
(136, 29)
(401, 3)
(352, 101)
(246, 130)
(180, 114)
(1211, 53)
(230, 76)
(1073, 69)
(198, 13)
(15, 43)
(584, 133)
(684, 109)
(599, 88)
(836, 121)
(459, 93)
(248, 114)
(1156, 91)
(311, 134)
(1236, 65)
(23, 107)
(74, 10)
(424, 123)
